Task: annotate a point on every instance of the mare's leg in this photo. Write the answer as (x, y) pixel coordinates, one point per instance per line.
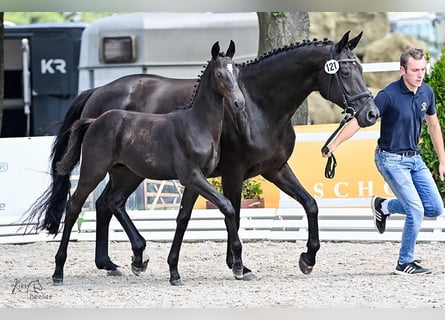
(121, 185)
(286, 180)
(232, 187)
(103, 217)
(188, 200)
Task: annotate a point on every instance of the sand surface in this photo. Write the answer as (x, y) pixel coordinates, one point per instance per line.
(347, 275)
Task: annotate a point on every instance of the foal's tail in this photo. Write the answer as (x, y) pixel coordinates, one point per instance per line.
(72, 155)
(52, 202)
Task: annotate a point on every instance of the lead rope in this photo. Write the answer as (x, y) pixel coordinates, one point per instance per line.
(329, 171)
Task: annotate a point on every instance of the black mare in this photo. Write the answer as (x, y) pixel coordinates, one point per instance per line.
(258, 141)
(181, 145)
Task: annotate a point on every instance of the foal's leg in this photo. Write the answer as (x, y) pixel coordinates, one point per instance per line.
(188, 200)
(123, 182)
(73, 208)
(286, 180)
(61, 255)
(199, 184)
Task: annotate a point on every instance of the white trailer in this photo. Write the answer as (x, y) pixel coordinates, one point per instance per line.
(170, 44)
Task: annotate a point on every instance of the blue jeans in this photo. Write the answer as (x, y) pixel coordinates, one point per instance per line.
(416, 195)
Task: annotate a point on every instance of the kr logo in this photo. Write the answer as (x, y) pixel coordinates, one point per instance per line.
(53, 65)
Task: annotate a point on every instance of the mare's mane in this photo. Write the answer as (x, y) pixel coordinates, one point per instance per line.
(258, 59)
(291, 46)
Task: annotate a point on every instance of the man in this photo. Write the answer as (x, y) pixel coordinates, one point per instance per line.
(403, 106)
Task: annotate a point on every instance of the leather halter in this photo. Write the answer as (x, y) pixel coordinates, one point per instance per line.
(349, 111)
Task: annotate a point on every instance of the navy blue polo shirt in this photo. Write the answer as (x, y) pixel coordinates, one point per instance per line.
(402, 113)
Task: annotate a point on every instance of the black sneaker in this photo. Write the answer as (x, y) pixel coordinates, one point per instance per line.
(379, 217)
(410, 268)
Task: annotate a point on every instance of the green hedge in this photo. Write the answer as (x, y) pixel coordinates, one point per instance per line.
(436, 79)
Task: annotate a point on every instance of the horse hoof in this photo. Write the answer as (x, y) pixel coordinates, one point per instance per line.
(249, 276)
(176, 282)
(238, 273)
(304, 267)
(57, 281)
(144, 265)
(115, 273)
(136, 270)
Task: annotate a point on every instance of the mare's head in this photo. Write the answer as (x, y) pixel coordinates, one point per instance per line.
(341, 81)
(224, 76)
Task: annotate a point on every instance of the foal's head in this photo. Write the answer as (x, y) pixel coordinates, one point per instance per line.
(224, 76)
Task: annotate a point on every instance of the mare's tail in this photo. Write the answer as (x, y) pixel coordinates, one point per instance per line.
(61, 141)
(52, 202)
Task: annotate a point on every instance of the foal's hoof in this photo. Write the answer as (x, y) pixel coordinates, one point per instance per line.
(304, 266)
(138, 269)
(248, 274)
(238, 273)
(176, 282)
(115, 273)
(57, 281)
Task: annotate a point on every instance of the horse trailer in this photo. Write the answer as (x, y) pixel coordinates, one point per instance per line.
(169, 44)
(47, 65)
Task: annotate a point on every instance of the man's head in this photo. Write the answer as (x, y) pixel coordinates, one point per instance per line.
(413, 67)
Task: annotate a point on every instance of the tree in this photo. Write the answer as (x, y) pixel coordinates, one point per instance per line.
(2, 31)
(436, 79)
(282, 28)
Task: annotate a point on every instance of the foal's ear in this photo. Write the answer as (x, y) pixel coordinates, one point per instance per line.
(339, 46)
(354, 42)
(231, 51)
(215, 50)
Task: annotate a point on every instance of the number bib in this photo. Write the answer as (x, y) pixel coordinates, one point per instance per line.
(331, 66)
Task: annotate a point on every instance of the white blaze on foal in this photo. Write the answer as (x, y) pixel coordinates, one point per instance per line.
(230, 68)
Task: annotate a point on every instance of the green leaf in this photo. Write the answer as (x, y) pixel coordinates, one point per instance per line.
(436, 79)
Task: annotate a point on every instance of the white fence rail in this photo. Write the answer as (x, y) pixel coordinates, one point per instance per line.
(341, 224)
(381, 66)
(267, 224)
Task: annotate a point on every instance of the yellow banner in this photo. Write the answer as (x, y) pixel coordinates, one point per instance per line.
(356, 177)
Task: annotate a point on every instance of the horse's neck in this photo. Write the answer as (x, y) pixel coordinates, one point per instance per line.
(207, 104)
(279, 83)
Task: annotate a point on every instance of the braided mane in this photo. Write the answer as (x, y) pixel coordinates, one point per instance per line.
(292, 46)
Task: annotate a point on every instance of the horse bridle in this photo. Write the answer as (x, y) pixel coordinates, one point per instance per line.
(349, 111)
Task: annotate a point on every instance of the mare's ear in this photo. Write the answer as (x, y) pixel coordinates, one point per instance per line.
(215, 50)
(339, 46)
(231, 50)
(353, 42)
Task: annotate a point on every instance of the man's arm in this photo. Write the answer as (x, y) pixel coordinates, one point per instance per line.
(347, 132)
